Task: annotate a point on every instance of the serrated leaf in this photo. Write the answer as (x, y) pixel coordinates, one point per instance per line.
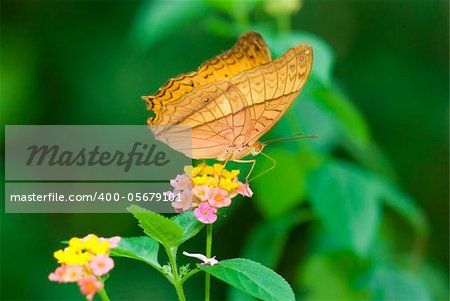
(158, 227)
(270, 236)
(141, 248)
(346, 200)
(189, 223)
(252, 278)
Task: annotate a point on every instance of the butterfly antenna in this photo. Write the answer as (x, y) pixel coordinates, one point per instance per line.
(298, 136)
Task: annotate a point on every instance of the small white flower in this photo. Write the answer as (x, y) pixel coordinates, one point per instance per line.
(206, 261)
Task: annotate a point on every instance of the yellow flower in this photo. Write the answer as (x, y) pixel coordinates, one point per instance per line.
(196, 170)
(189, 171)
(200, 180)
(100, 248)
(230, 174)
(75, 244)
(93, 244)
(228, 184)
(204, 180)
(207, 170)
(70, 257)
(217, 169)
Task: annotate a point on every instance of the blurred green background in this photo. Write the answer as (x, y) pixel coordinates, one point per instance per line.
(359, 214)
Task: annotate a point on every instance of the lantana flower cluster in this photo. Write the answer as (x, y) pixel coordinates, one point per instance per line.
(85, 261)
(205, 189)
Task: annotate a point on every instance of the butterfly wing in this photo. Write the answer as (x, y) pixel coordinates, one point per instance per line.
(271, 89)
(249, 52)
(236, 111)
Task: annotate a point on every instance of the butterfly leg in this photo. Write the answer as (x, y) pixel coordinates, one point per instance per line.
(251, 168)
(274, 164)
(224, 166)
(203, 164)
(225, 163)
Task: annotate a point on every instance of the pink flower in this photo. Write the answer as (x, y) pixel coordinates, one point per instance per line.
(66, 273)
(205, 213)
(113, 241)
(181, 182)
(183, 201)
(244, 189)
(206, 260)
(89, 285)
(58, 274)
(202, 192)
(219, 198)
(101, 265)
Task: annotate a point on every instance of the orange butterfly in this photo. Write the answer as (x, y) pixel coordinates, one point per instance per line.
(222, 109)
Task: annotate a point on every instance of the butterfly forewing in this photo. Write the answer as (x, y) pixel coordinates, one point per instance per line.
(249, 52)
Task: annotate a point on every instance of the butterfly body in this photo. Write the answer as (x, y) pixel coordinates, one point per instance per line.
(224, 108)
(235, 152)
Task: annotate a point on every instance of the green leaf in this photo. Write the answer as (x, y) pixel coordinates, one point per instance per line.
(435, 279)
(404, 205)
(239, 10)
(270, 236)
(141, 248)
(235, 294)
(160, 18)
(346, 200)
(252, 278)
(312, 118)
(324, 277)
(189, 223)
(392, 283)
(349, 120)
(158, 227)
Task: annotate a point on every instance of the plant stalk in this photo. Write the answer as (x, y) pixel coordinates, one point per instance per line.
(176, 279)
(208, 255)
(103, 295)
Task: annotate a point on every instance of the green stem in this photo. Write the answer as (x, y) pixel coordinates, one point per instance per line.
(208, 255)
(188, 275)
(176, 280)
(103, 295)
